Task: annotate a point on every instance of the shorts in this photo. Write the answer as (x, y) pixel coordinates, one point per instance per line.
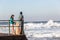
(10, 24)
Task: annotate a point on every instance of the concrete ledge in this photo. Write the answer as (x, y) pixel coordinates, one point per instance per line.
(12, 37)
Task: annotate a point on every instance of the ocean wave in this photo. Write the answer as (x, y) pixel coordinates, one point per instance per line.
(38, 30)
(49, 24)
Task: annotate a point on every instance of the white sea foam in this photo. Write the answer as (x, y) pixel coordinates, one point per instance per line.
(39, 35)
(49, 24)
(45, 32)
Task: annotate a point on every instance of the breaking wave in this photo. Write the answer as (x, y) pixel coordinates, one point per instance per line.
(49, 24)
(49, 29)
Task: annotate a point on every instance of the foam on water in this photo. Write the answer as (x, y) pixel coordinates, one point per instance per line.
(49, 24)
(49, 29)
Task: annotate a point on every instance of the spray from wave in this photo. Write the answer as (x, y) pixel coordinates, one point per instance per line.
(49, 29)
(49, 24)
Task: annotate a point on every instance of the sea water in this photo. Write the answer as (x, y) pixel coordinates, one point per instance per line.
(42, 30)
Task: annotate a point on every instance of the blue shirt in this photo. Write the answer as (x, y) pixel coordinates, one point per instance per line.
(11, 21)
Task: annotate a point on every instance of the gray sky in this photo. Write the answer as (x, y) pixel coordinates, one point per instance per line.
(33, 10)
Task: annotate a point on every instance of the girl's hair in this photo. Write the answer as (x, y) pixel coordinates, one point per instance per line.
(11, 16)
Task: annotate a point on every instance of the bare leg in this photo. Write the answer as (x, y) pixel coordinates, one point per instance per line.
(13, 31)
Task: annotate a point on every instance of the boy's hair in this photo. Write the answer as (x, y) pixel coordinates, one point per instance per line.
(20, 12)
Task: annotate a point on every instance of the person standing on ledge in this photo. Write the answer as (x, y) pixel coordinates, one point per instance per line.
(12, 23)
(21, 19)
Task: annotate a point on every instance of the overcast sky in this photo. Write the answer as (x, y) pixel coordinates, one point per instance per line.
(33, 10)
